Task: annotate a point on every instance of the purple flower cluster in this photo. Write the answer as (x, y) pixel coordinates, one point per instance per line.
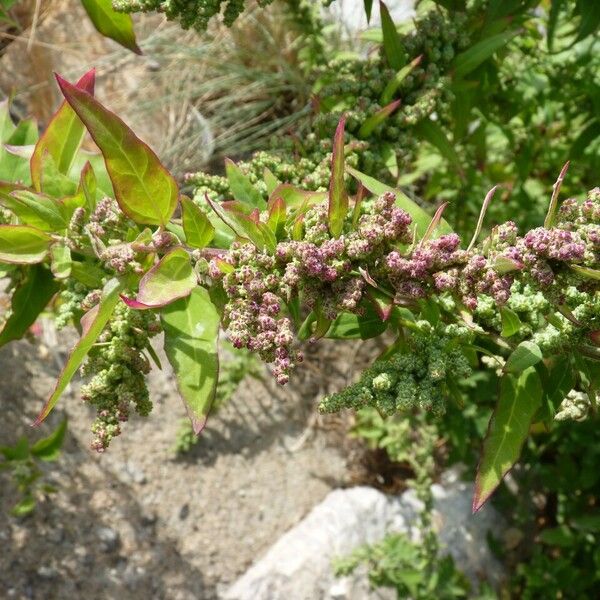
(255, 289)
(334, 274)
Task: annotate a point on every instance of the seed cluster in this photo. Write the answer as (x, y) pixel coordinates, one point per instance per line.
(414, 378)
(117, 367)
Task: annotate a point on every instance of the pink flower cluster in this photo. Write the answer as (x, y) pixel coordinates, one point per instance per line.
(334, 274)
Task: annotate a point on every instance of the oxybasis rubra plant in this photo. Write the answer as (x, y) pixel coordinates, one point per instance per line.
(114, 246)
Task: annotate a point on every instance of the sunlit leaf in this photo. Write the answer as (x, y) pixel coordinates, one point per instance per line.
(63, 136)
(525, 355)
(144, 189)
(197, 227)
(170, 279)
(392, 45)
(338, 196)
(115, 25)
(242, 188)
(519, 400)
(191, 327)
(22, 244)
(92, 325)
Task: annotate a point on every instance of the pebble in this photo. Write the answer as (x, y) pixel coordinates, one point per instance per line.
(109, 539)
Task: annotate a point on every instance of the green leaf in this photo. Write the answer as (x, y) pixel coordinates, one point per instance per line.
(338, 197)
(170, 279)
(241, 187)
(431, 132)
(590, 18)
(586, 272)
(37, 210)
(348, 326)
(191, 327)
(6, 125)
(421, 219)
(511, 323)
(29, 299)
(115, 25)
(48, 448)
(560, 536)
(509, 427)
(470, 59)
(62, 138)
(277, 217)
(144, 189)
(392, 45)
(60, 261)
(87, 273)
(92, 325)
(368, 9)
(15, 154)
(525, 355)
(20, 451)
(372, 122)
(197, 227)
(270, 181)
(24, 507)
(555, 8)
(22, 244)
(393, 84)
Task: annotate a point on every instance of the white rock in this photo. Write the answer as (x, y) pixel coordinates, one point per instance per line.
(298, 565)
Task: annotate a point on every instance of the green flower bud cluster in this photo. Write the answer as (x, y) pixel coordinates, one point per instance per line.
(117, 367)
(190, 13)
(413, 379)
(310, 172)
(69, 303)
(353, 87)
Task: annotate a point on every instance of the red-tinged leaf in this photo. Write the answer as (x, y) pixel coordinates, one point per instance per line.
(377, 119)
(484, 207)
(396, 81)
(504, 264)
(92, 324)
(553, 208)
(225, 216)
(63, 136)
(298, 228)
(381, 302)
(509, 426)
(338, 197)
(170, 279)
(392, 45)
(254, 216)
(21, 244)
(144, 189)
(198, 229)
(191, 327)
(29, 299)
(88, 186)
(435, 222)
(360, 195)
(277, 216)
(115, 25)
(367, 277)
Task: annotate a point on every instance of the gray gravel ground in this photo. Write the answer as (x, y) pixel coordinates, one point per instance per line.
(138, 523)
